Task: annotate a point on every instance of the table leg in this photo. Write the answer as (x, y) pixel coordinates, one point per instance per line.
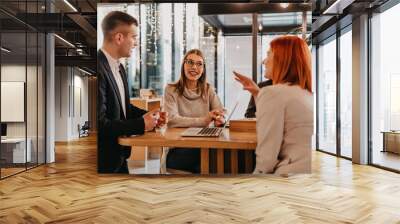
(220, 161)
(138, 153)
(137, 162)
(163, 160)
(248, 161)
(234, 161)
(205, 161)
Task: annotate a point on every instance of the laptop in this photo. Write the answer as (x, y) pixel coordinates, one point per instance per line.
(207, 132)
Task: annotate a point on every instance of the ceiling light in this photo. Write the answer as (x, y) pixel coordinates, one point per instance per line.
(70, 5)
(338, 6)
(284, 5)
(333, 6)
(65, 41)
(84, 71)
(5, 50)
(260, 27)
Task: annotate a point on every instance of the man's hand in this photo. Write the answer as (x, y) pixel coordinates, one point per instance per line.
(163, 119)
(150, 119)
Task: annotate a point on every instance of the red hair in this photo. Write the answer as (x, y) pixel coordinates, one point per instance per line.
(291, 62)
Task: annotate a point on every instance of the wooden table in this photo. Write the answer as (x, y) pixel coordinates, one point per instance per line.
(229, 140)
(146, 104)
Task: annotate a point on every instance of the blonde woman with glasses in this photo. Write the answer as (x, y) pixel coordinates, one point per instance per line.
(191, 102)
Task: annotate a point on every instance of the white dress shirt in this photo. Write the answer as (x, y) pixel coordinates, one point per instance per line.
(114, 65)
(284, 129)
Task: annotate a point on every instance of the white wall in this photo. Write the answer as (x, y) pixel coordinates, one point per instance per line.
(79, 117)
(62, 81)
(16, 73)
(33, 126)
(71, 94)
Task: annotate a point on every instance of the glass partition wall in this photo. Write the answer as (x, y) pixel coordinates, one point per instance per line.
(345, 110)
(385, 90)
(333, 63)
(22, 77)
(335, 114)
(169, 30)
(327, 96)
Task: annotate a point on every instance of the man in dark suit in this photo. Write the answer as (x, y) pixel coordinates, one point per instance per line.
(251, 109)
(116, 116)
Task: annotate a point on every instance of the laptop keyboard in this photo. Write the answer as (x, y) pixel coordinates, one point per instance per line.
(210, 131)
(202, 132)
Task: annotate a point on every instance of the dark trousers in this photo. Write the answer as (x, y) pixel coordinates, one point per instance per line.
(184, 159)
(242, 162)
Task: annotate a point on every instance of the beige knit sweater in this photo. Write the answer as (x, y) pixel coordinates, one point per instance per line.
(189, 109)
(284, 130)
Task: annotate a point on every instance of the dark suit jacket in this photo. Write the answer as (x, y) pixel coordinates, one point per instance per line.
(251, 109)
(112, 122)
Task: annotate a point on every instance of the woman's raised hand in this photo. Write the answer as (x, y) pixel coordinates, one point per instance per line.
(248, 84)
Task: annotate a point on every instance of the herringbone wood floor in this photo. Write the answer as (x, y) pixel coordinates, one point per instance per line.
(70, 191)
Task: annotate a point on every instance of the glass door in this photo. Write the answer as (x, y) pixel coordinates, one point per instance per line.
(327, 96)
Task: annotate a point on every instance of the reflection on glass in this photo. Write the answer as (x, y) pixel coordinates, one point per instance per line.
(208, 47)
(167, 31)
(15, 150)
(238, 55)
(346, 94)
(265, 45)
(177, 40)
(133, 64)
(102, 11)
(294, 19)
(385, 86)
(327, 97)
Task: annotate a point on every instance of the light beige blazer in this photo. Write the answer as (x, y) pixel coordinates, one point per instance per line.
(284, 129)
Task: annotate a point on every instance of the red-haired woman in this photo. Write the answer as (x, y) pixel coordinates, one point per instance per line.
(285, 109)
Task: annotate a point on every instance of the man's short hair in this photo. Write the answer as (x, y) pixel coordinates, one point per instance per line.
(114, 19)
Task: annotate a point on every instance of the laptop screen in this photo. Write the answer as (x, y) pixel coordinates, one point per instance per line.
(230, 115)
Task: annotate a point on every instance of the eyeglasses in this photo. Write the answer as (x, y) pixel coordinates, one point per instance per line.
(191, 63)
